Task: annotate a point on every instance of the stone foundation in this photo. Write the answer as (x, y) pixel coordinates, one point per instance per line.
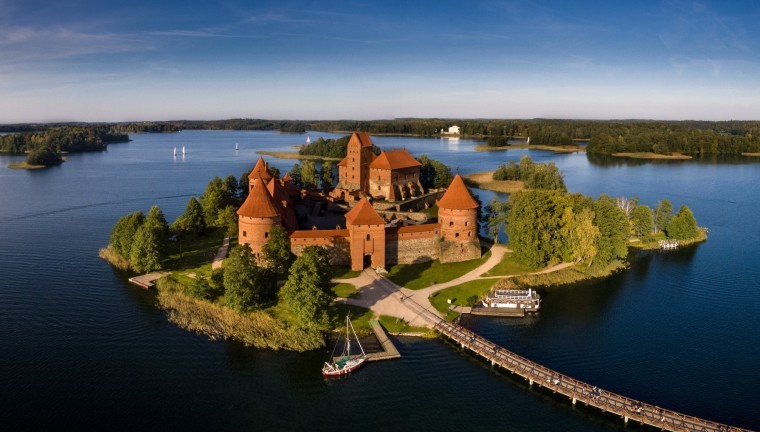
(455, 251)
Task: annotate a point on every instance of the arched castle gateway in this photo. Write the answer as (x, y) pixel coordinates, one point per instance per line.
(365, 239)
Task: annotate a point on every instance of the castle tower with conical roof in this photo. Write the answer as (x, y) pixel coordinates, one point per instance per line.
(458, 216)
(257, 216)
(260, 170)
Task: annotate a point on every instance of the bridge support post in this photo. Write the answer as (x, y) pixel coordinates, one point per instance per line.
(530, 382)
(492, 363)
(462, 345)
(574, 401)
(625, 419)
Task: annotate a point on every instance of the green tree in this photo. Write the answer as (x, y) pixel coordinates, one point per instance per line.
(276, 251)
(307, 291)
(328, 176)
(228, 219)
(496, 214)
(642, 222)
(295, 174)
(233, 187)
(308, 174)
(216, 197)
(247, 286)
(614, 230)
(273, 171)
(682, 226)
(147, 249)
(191, 222)
(663, 212)
(156, 219)
(434, 174)
(585, 236)
(44, 155)
(123, 233)
(537, 226)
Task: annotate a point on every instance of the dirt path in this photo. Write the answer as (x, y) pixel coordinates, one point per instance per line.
(384, 297)
(221, 254)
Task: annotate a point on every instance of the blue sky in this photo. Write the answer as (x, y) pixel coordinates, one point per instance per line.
(88, 60)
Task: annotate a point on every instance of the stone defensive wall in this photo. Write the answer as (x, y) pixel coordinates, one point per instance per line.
(335, 241)
(412, 244)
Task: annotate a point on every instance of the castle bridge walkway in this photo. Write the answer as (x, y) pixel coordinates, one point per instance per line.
(575, 390)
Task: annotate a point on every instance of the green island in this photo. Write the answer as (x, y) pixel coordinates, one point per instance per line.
(45, 148)
(276, 300)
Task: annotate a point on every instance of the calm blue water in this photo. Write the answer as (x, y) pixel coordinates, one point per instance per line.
(80, 348)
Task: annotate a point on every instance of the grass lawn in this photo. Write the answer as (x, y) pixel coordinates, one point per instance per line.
(422, 275)
(432, 212)
(509, 266)
(344, 290)
(343, 272)
(359, 317)
(460, 295)
(398, 325)
(195, 252)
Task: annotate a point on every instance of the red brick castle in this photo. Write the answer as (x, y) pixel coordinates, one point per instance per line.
(366, 238)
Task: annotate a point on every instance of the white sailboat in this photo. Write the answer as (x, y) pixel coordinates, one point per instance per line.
(183, 150)
(345, 363)
(237, 147)
(308, 140)
(528, 142)
(175, 151)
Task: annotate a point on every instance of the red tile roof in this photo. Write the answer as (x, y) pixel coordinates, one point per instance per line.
(319, 233)
(413, 228)
(261, 169)
(362, 138)
(344, 162)
(457, 196)
(258, 204)
(364, 214)
(394, 159)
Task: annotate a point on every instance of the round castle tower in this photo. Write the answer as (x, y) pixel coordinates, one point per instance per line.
(256, 217)
(458, 216)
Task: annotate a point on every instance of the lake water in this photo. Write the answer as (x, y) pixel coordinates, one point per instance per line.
(81, 348)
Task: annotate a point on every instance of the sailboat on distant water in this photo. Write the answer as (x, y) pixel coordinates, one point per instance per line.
(308, 140)
(345, 363)
(183, 150)
(237, 147)
(175, 151)
(528, 142)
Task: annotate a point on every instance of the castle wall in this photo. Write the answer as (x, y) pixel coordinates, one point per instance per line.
(414, 244)
(455, 251)
(335, 241)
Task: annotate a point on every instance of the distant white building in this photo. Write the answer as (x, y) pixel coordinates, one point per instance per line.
(453, 130)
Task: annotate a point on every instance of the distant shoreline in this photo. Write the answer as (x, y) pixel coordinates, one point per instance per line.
(556, 149)
(295, 155)
(650, 155)
(484, 180)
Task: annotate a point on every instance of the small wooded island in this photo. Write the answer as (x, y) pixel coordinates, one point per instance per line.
(45, 148)
(276, 289)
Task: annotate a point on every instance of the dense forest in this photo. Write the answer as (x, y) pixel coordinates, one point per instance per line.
(62, 139)
(605, 137)
(533, 175)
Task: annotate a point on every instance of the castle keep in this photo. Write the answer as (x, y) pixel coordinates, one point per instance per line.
(365, 238)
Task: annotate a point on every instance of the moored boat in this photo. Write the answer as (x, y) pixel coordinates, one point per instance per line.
(529, 300)
(345, 363)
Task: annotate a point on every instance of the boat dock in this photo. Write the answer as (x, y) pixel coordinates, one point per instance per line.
(147, 280)
(389, 350)
(497, 311)
(574, 390)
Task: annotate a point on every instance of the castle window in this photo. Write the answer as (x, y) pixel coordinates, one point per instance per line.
(266, 235)
(367, 237)
(451, 223)
(466, 223)
(456, 235)
(245, 234)
(469, 234)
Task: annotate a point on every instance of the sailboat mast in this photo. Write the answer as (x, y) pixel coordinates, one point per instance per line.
(357, 338)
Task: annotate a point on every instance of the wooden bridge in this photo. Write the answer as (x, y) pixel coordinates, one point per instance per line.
(576, 391)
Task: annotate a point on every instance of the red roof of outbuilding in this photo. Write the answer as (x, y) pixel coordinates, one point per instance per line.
(364, 214)
(394, 159)
(343, 162)
(319, 233)
(457, 196)
(260, 170)
(258, 204)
